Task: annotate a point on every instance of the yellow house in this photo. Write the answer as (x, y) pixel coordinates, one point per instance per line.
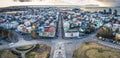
(117, 36)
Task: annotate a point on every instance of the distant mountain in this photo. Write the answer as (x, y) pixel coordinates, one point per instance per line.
(117, 6)
(22, 0)
(91, 5)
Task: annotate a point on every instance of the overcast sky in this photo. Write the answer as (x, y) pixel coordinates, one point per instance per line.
(110, 2)
(5, 3)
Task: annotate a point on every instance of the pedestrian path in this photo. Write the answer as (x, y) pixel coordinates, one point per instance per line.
(59, 50)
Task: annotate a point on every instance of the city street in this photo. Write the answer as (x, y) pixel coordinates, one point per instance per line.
(70, 45)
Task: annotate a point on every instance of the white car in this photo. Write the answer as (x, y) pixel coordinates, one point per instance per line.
(11, 44)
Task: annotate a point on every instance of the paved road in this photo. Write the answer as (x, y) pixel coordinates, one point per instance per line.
(59, 50)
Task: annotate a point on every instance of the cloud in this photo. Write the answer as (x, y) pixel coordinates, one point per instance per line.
(110, 2)
(5, 3)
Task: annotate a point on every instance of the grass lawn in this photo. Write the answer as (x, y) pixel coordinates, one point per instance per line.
(40, 51)
(24, 48)
(93, 50)
(7, 54)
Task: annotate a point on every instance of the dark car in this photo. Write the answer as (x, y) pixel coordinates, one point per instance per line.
(0, 43)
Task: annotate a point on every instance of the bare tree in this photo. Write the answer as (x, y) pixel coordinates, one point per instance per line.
(105, 33)
(33, 34)
(9, 35)
(2, 34)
